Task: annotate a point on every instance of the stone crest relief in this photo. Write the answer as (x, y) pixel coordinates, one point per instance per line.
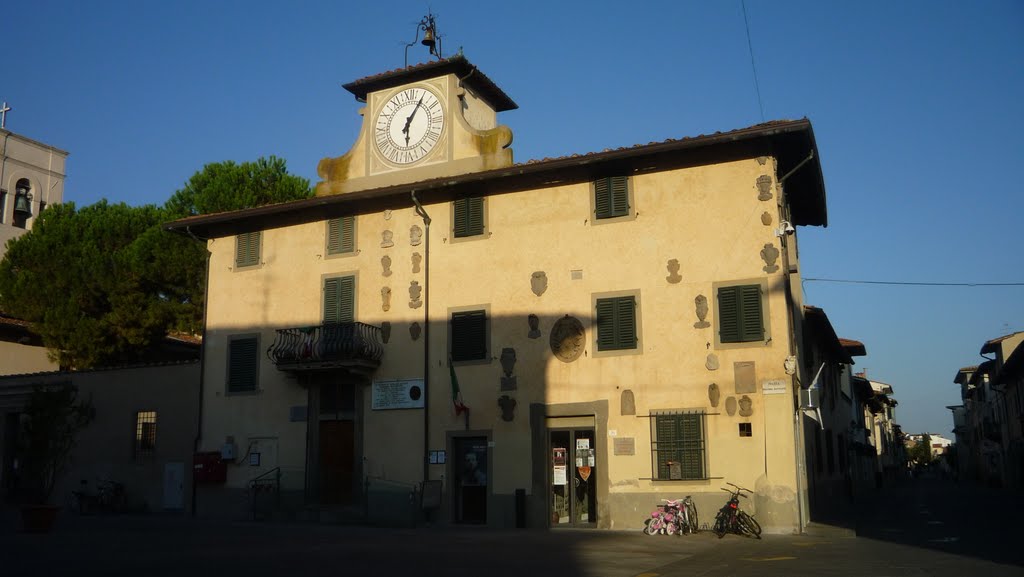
(567, 339)
(414, 295)
(764, 187)
(539, 282)
(385, 263)
(673, 272)
(701, 308)
(387, 239)
(415, 235)
(385, 297)
(769, 254)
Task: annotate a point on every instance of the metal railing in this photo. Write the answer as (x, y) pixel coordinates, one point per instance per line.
(328, 343)
(265, 494)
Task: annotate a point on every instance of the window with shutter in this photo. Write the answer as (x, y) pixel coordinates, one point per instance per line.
(243, 364)
(616, 323)
(341, 235)
(468, 336)
(247, 249)
(678, 449)
(611, 197)
(740, 315)
(468, 217)
(340, 300)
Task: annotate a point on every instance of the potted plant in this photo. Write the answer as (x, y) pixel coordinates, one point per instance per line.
(50, 425)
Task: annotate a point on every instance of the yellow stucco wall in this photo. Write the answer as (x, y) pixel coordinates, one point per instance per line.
(709, 218)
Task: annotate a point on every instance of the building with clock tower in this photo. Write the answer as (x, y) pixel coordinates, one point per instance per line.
(553, 343)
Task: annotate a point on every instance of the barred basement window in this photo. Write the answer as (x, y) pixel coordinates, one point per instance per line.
(145, 434)
(677, 446)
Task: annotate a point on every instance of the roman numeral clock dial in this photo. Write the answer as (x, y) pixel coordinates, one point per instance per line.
(409, 125)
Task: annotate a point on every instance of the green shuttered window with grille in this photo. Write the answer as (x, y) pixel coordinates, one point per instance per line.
(339, 300)
(739, 314)
(341, 235)
(468, 217)
(678, 451)
(243, 364)
(616, 323)
(611, 197)
(247, 249)
(469, 336)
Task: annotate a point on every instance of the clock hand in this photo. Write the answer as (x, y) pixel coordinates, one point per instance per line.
(408, 121)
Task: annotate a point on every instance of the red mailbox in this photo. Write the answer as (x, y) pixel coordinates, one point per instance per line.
(208, 467)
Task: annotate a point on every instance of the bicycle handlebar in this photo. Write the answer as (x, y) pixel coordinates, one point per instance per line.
(738, 491)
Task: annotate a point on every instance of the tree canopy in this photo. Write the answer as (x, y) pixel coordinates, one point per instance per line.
(103, 284)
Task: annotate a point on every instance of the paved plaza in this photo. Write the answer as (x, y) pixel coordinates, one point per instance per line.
(921, 529)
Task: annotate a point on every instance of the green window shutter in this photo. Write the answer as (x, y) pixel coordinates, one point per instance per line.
(728, 314)
(691, 455)
(469, 336)
(750, 314)
(339, 300)
(611, 197)
(341, 235)
(739, 314)
(469, 217)
(247, 249)
(679, 439)
(616, 323)
(242, 365)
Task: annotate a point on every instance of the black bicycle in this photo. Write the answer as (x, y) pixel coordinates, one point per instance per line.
(731, 519)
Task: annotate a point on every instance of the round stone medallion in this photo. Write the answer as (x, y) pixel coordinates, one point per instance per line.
(567, 339)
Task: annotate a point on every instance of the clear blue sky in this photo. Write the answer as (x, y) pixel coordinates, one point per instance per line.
(917, 108)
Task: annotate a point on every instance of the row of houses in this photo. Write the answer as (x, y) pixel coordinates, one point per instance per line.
(561, 342)
(989, 424)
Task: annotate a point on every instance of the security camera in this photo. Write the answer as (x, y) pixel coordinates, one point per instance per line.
(785, 227)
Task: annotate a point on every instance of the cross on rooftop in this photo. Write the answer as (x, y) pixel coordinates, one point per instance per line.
(3, 115)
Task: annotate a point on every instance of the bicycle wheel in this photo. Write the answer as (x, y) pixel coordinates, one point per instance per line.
(691, 513)
(749, 525)
(720, 525)
(653, 526)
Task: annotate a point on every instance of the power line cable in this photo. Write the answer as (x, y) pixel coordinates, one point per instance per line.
(750, 47)
(900, 283)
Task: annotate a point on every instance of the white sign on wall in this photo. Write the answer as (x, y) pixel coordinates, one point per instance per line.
(403, 394)
(773, 387)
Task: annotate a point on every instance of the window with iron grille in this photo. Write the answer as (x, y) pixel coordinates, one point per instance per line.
(616, 323)
(243, 364)
(468, 217)
(740, 316)
(468, 340)
(247, 249)
(145, 434)
(341, 235)
(677, 446)
(611, 197)
(339, 299)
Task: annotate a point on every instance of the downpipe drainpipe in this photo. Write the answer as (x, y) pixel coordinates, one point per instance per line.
(426, 333)
(202, 367)
(802, 504)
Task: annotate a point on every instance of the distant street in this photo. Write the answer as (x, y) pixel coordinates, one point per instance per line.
(928, 528)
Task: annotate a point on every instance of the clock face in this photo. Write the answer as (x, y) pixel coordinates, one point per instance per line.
(409, 125)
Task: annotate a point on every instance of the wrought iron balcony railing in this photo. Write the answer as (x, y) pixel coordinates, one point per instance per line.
(356, 346)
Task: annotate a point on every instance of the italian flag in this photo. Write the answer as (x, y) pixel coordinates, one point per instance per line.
(460, 407)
